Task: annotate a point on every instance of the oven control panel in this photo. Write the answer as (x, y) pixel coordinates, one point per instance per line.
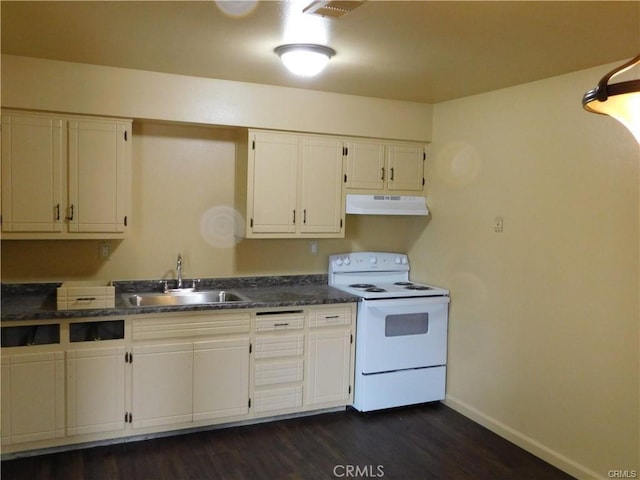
(368, 261)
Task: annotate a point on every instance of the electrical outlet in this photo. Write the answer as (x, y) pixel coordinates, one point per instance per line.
(498, 224)
(104, 250)
(314, 247)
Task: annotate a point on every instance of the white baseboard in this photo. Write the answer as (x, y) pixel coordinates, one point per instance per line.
(532, 446)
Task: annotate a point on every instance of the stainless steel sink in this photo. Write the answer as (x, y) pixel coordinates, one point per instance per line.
(183, 297)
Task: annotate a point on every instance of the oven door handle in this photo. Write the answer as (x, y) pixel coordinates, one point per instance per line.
(413, 303)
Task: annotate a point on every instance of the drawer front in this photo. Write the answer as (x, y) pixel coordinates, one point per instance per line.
(196, 326)
(275, 346)
(329, 317)
(273, 373)
(269, 322)
(278, 399)
(81, 303)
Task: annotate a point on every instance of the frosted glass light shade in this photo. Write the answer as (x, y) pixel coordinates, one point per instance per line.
(304, 59)
(618, 100)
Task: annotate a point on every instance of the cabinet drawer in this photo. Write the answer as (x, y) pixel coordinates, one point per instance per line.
(274, 346)
(278, 399)
(329, 317)
(272, 321)
(273, 373)
(196, 326)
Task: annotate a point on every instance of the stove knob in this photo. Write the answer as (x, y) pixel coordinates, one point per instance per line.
(347, 261)
(373, 260)
(398, 260)
(339, 261)
(404, 260)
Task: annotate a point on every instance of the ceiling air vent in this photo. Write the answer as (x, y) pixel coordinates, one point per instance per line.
(330, 8)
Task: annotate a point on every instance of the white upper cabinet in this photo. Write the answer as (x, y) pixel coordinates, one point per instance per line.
(98, 175)
(294, 186)
(32, 153)
(65, 177)
(385, 166)
(273, 183)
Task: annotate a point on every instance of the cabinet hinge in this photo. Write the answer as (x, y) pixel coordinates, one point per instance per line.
(249, 403)
(125, 220)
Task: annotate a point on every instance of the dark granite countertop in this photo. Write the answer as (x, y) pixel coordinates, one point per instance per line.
(38, 301)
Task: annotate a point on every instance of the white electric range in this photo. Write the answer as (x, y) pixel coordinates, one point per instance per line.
(401, 330)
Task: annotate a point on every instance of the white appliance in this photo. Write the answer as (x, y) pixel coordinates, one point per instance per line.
(386, 205)
(401, 330)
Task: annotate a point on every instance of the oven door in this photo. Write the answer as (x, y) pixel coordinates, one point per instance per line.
(398, 334)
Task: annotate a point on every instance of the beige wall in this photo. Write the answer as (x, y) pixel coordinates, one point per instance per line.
(39, 84)
(544, 326)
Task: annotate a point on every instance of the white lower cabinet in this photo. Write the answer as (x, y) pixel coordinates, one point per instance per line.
(330, 365)
(303, 359)
(162, 384)
(220, 378)
(329, 362)
(32, 396)
(98, 379)
(278, 361)
(190, 368)
(95, 390)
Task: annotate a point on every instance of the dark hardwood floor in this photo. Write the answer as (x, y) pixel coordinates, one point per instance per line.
(424, 442)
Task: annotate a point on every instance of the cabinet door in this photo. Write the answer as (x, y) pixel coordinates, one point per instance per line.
(321, 185)
(220, 378)
(162, 384)
(98, 175)
(95, 390)
(272, 183)
(329, 362)
(365, 165)
(406, 167)
(32, 154)
(32, 397)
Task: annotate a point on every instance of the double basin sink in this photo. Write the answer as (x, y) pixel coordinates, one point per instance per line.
(183, 296)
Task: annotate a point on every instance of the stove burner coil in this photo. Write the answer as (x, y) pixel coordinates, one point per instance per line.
(362, 285)
(375, 290)
(417, 287)
(403, 284)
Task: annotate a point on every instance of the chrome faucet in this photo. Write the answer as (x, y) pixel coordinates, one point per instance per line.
(179, 268)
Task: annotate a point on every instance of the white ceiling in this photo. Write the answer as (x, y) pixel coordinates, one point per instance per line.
(424, 51)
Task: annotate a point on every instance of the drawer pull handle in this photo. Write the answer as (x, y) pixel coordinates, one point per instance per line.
(86, 299)
(285, 324)
(332, 317)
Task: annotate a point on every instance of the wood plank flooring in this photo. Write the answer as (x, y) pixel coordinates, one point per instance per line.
(429, 441)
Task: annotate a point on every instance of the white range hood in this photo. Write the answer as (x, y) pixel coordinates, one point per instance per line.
(386, 205)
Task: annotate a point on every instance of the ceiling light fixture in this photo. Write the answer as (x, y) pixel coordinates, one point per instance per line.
(304, 59)
(618, 100)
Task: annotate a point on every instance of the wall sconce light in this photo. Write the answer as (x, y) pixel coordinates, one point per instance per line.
(304, 59)
(618, 100)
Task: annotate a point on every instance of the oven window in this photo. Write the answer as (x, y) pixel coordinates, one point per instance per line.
(406, 324)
